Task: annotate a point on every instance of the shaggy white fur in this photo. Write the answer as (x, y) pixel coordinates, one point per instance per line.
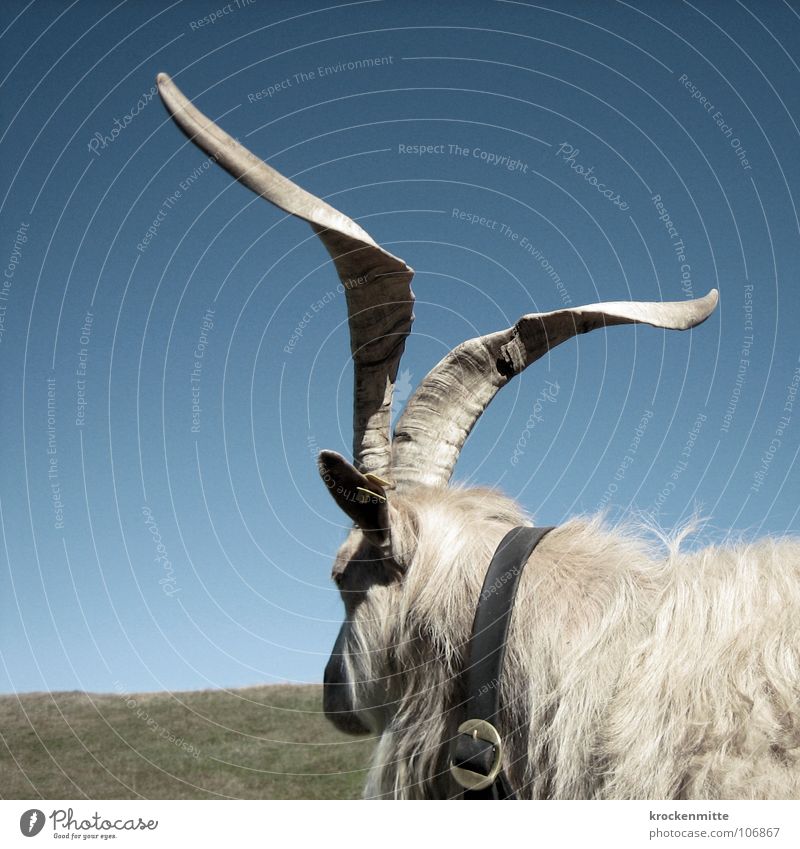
(630, 672)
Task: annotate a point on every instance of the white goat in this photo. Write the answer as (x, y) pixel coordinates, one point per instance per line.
(629, 673)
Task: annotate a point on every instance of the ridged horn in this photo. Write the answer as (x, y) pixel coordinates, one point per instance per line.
(377, 284)
(439, 416)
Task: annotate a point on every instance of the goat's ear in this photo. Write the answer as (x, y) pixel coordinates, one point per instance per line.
(361, 497)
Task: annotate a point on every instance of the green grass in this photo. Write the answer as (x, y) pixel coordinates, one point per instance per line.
(255, 743)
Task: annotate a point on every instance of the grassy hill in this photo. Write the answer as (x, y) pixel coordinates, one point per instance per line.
(255, 743)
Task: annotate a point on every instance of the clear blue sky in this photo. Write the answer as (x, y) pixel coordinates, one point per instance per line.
(697, 103)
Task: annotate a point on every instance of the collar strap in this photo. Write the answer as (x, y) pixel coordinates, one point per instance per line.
(477, 749)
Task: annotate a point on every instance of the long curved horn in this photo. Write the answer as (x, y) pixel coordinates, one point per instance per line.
(442, 411)
(377, 284)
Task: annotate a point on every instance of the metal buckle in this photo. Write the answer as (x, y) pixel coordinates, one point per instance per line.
(479, 729)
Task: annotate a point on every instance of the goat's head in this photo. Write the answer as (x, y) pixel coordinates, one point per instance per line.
(381, 489)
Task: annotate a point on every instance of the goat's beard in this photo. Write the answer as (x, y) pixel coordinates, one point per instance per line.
(411, 758)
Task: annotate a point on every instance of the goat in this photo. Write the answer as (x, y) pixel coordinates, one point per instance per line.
(628, 673)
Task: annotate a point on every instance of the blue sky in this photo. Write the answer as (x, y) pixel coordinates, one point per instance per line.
(147, 548)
